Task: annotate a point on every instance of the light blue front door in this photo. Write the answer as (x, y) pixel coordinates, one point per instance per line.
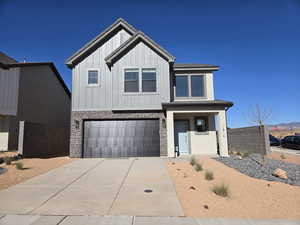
(181, 136)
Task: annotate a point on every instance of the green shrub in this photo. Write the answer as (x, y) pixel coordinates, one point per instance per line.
(19, 166)
(221, 190)
(209, 175)
(8, 160)
(198, 167)
(193, 161)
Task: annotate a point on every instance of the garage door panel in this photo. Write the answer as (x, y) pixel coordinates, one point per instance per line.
(121, 138)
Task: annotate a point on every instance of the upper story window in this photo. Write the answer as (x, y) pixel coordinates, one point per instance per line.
(140, 80)
(131, 81)
(182, 87)
(190, 86)
(93, 77)
(148, 80)
(197, 85)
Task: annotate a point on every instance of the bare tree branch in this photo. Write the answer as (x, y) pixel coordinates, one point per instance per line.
(259, 116)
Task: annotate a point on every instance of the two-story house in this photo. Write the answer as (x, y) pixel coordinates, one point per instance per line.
(130, 98)
(32, 92)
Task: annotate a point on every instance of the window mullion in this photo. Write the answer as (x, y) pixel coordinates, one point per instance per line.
(189, 85)
(140, 80)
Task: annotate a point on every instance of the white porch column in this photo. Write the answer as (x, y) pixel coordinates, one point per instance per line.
(222, 134)
(170, 133)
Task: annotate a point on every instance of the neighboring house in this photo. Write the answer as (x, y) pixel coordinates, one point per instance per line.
(31, 92)
(130, 98)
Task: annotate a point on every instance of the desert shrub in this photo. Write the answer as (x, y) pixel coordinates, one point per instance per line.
(282, 156)
(19, 166)
(16, 157)
(238, 153)
(193, 161)
(198, 167)
(8, 160)
(221, 190)
(209, 175)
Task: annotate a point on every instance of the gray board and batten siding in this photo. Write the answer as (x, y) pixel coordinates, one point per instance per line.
(109, 94)
(9, 85)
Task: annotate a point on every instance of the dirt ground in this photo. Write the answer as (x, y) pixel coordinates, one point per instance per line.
(32, 167)
(286, 157)
(249, 197)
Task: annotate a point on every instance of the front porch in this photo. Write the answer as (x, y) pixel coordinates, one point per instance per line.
(196, 128)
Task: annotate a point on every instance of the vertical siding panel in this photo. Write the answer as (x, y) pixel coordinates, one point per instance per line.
(95, 98)
(142, 56)
(109, 95)
(9, 84)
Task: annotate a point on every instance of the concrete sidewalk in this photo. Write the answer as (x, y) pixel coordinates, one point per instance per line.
(132, 220)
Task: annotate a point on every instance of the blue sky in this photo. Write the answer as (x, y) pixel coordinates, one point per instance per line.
(256, 43)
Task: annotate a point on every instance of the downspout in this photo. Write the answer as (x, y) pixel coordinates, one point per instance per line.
(226, 109)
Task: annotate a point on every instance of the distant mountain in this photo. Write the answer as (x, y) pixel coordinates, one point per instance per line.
(291, 125)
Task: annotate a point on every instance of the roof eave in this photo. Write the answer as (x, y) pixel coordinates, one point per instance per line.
(109, 59)
(102, 35)
(216, 68)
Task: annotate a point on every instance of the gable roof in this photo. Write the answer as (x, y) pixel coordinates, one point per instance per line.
(131, 42)
(50, 64)
(119, 23)
(4, 59)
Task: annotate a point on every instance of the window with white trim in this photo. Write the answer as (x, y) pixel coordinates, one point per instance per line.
(93, 77)
(131, 81)
(189, 86)
(148, 80)
(140, 80)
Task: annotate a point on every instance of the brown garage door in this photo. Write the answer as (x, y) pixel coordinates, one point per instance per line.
(121, 138)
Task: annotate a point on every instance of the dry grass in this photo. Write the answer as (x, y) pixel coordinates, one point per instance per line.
(193, 161)
(249, 197)
(209, 175)
(198, 167)
(30, 168)
(221, 190)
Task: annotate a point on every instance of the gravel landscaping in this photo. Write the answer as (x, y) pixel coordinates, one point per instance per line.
(252, 166)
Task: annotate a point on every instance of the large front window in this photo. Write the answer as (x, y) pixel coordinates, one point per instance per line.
(190, 86)
(140, 80)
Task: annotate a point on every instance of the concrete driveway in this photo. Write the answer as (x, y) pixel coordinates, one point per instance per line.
(97, 187)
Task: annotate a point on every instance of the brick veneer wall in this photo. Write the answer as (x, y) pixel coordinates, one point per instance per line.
(249, 139)
(76, 139)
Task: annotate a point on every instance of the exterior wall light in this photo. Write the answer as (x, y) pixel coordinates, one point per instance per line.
(76, 124)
